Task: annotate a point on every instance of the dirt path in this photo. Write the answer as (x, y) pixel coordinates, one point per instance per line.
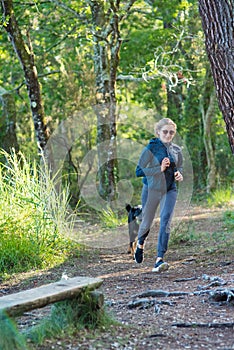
(151, 325)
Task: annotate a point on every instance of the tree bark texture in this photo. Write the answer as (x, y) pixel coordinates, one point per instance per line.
(8, 122)
(175, 103)
(218, 25)
(26, 57)
(107, 42)
(207, 117)
(208, 109)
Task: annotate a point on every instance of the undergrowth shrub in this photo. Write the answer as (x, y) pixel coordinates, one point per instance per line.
(66, 317)
(183, 234)
(34, 216)
(10, 336)
(229, 220)
(69, 316)
(111, 219)
(221, 197)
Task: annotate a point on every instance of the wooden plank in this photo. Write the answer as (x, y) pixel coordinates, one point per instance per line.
(18, 303)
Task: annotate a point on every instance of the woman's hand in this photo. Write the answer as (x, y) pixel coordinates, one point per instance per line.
(178, 176)
(165, 164)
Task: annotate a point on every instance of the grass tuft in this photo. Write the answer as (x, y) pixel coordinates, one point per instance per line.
(34, 216)
(184, 234)
(111, 219)
(69, 316)
(229, 220)
(10, 337)
(221, 197)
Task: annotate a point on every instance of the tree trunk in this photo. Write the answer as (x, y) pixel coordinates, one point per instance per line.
(106, 59)
(218, 25)
(7, 122)
(175, 104)
(26, 58)
(207, 116)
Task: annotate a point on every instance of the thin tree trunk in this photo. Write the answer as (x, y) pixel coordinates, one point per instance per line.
(26, 58)
(106, 59)
(218, 26)
(175, 103)
(207, 117)
(106, 17)
(8, 122)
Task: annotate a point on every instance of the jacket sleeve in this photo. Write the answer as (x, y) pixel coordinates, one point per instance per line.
(180, 162)
(142, 168)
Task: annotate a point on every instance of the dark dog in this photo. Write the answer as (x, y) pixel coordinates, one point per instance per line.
(134, 216)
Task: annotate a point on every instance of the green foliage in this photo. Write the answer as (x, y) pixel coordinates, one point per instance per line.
(70, 315)
(229, 220)
(215, 242)
(10, 336)
(110, 218)
(222, 196)
(33, 218)
(157, 37)
(183, 234)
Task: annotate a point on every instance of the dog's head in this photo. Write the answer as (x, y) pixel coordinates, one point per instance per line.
(134, 212)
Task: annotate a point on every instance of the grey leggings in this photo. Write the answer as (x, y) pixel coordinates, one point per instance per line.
(150, 202)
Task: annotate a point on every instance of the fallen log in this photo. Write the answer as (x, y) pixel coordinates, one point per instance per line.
(16, 304)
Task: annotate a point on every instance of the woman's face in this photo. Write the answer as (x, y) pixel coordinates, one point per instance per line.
(166, 133)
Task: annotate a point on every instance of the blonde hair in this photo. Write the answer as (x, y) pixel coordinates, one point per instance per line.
(162, 122)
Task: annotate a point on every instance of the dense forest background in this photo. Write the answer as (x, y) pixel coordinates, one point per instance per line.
(66, 64)
(82, 83)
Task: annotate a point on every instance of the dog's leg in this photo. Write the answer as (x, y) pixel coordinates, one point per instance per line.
(130, 248)
(133, 247)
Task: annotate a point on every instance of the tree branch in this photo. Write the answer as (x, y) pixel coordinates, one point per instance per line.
(62, 39)
(68, 9)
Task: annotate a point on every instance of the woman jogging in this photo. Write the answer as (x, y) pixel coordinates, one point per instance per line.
(160, 165)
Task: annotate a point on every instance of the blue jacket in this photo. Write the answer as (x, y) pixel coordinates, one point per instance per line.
(149, 165)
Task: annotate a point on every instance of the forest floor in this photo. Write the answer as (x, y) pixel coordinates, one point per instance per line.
(168, 320)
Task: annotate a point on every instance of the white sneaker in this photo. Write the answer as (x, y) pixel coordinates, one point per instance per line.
(160, 266)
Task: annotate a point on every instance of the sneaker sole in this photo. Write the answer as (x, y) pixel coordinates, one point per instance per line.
(138, 262)
(161, 268)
